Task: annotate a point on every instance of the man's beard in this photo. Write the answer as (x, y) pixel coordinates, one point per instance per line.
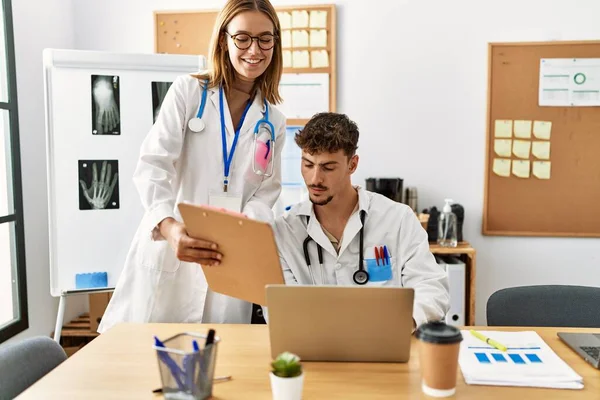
(321, 202)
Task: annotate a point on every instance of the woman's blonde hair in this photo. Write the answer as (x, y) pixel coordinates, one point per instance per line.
(221, 71)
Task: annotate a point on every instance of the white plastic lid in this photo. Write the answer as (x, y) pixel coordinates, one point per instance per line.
(447, 207)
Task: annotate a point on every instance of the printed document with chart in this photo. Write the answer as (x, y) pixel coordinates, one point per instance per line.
(529, 361)
(569, 82)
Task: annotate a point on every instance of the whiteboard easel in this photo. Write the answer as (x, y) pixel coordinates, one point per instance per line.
(84, 239)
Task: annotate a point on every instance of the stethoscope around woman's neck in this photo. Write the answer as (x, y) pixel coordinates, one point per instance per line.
(360, 276)
(196, 124)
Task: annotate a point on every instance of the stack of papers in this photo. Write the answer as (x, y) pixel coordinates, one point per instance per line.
(528, 361)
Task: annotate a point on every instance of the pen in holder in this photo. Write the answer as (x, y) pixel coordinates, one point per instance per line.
(186, 368)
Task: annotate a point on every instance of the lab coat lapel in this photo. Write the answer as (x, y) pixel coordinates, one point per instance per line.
(351, 230)
(353, 226)
(255, 113)
(315, 231)
(228, 124)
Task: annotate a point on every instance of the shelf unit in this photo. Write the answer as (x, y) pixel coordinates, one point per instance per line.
(467, 255)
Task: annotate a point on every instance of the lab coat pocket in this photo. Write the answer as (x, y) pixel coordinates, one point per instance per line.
(158, 255)
(262, 157)
(378, 273)
(252, 180)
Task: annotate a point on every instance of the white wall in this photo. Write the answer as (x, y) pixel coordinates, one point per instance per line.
(37, 25)
(422, 107)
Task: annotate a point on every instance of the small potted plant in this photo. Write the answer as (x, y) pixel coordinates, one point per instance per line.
(287, 378)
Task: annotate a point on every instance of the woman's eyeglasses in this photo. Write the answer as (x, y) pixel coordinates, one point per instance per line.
(243, 41)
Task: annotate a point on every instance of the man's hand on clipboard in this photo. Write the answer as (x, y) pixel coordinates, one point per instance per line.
(187, 248)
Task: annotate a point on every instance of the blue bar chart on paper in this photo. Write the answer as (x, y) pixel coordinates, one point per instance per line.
(527, 361)
(515, 358)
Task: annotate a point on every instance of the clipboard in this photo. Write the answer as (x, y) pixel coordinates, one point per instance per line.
(250, 257)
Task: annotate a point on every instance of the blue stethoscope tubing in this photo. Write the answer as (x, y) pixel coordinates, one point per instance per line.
(197, 125)
(271, 148)
(360, 276)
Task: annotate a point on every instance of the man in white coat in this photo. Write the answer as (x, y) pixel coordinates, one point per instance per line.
(395, 248)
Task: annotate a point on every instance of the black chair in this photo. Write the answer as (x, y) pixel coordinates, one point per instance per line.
(545, 305)
(24, 362)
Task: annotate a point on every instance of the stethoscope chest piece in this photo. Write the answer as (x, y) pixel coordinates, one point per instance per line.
(360, 277)
(196, 125)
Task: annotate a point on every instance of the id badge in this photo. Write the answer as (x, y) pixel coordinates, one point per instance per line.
(228, 201)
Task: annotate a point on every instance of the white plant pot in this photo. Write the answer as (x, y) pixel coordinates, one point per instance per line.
(287, 388)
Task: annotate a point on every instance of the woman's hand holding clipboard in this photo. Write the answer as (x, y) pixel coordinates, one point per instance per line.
(250, 259)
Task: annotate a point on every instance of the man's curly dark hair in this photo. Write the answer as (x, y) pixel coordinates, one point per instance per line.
(328, 132)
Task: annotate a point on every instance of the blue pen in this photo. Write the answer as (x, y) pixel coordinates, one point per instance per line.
(171, 364)
(386, 254)
(190, 365)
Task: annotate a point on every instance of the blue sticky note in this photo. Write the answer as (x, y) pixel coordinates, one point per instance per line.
(498, 357)
(533, 358)
(91, 280)
(517, 359)
(482, 358)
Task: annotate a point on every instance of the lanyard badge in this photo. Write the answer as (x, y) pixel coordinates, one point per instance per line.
(228, 201)
(227, 159)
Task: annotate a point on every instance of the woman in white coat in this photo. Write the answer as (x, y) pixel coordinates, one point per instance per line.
(194, 154)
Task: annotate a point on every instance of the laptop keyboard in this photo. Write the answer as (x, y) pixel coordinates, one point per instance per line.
(593, 352)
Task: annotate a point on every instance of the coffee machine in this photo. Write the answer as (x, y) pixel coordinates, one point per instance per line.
(388, 187)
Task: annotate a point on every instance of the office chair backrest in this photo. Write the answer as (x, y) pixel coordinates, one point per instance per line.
(545, 305)
(23, 363)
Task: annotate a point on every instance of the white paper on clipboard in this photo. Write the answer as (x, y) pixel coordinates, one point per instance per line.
(304, 95)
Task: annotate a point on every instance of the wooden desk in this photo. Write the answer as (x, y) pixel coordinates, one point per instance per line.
(120, 364)
(467, 254)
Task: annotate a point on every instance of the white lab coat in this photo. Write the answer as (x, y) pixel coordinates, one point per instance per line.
(177, 165)
(386, 223)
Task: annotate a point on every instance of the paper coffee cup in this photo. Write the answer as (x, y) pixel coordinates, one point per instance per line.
(439, 344)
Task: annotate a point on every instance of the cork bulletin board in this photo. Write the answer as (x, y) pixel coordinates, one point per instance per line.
(183, 32)
(309, 50)
(542, 162)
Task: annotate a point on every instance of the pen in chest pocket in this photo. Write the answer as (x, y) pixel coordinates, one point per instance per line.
(382, 254)
(387, 255)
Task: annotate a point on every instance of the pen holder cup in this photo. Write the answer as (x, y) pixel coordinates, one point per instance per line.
(185, 373)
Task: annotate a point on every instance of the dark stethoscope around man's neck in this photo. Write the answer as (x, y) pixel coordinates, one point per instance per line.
(360, 276)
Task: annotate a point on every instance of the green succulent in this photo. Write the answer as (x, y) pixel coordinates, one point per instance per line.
(287, 365)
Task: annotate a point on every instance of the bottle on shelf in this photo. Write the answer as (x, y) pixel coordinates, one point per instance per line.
(447, 226)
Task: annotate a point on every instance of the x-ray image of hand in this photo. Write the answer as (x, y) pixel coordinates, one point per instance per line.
(162, 88)
(156, 112)
(159, 91)
(105, 94)
(101, 190)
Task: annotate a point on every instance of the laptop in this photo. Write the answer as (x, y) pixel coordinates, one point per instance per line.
(587, 345)
(339, 323)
